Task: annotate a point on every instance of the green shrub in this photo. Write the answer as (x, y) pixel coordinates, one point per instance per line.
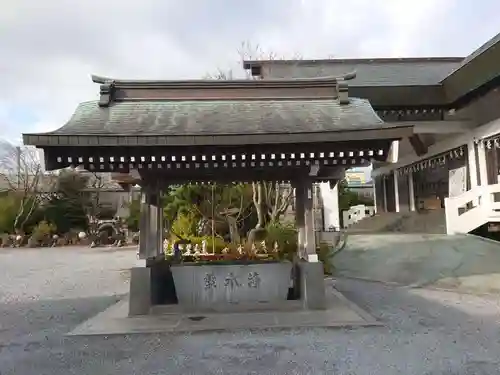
(42, 233)
(9, 204)
(185, 225)
(287, 238)
(285, 235)
(134, 215)
(324, 255)
(66, 214)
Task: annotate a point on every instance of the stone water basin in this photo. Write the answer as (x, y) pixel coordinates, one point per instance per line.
(206, 286)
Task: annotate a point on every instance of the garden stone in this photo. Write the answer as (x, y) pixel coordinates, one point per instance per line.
(32, 242)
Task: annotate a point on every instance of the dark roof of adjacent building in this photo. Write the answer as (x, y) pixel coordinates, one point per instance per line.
(485, 47)
(450, 82)
(369, 72)
(477, 74)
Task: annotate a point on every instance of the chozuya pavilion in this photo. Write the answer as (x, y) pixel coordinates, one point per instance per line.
(299, 131)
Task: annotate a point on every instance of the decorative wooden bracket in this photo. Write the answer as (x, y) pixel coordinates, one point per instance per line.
(314, 170)
(107, 90)
(343, 87)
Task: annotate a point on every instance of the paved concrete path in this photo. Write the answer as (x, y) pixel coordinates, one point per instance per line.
(48, 292)
(459, 262)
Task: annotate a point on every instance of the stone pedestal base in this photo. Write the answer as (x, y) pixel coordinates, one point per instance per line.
(140, 291)
(312, 286)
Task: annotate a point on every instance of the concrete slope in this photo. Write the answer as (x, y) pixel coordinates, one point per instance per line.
(460, 262)
(430, 222)
(405, 222)
(384, 222)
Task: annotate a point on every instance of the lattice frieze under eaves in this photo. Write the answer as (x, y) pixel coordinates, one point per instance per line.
(221, 161)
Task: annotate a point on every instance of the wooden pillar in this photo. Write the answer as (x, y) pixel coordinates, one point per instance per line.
(310, 238)
(411, 191)
(155, 241)
(299, 217)
(311, 282)
(151, 225)
(471, 159)
(144, 226)
(150, 246)
(483, 169)
(396, 191)
(491, 156)
(384, 192)
(472, 169)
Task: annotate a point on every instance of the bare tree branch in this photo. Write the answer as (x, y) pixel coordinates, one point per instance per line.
(21, 175)
(270, 200)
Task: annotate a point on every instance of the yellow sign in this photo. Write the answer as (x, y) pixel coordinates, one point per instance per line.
(355, 178)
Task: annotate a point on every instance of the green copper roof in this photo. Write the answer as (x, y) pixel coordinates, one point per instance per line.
(221, 117)
(202, 121)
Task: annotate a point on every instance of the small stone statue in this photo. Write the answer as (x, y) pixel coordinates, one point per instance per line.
(240, 249)
(55, 237)
(204, 247)
(188, 249)
(225, 250)
(276, 247)
(263, 247)
(254, 249)
(196, 250)
(19, 240)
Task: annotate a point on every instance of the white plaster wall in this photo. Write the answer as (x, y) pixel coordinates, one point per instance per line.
(330, 198)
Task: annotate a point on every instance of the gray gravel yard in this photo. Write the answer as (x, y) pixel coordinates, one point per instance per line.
(47, 292)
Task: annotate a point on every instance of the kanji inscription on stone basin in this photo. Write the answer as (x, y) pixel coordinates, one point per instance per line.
(253, 280)
(222, 286)
(231, 281)
(210, 281)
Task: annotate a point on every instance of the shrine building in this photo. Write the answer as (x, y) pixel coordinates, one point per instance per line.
(451, 159)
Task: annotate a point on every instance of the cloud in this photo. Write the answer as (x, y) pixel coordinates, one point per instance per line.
(49, 48)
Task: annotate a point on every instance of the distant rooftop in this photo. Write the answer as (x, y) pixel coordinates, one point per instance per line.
(369, 72)
(412, 71)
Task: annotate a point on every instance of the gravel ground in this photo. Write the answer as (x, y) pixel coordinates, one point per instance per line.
(46, 293)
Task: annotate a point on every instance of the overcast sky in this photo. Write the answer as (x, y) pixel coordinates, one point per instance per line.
(49, 48)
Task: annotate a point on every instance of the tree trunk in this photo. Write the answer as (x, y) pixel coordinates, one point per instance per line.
(278, 202)
(233, 230)
(258, 202)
